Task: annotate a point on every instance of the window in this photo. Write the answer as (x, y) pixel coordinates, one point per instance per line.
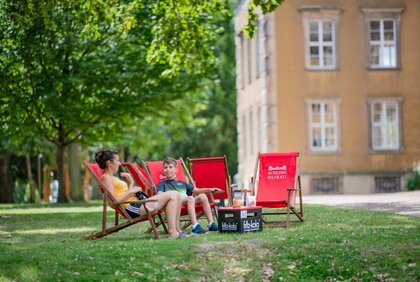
(241, 66)
(249, 59)
(387, 184)
(265, 40)
(323, 126)
(382, 44)
(326, 185)
(321, 45)
(382, 28)
(320, 36)
(385, 124)
(257, 49)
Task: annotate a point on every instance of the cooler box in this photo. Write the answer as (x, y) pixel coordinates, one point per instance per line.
(242, 219)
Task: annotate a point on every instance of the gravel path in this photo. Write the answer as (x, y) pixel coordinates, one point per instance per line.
(407, 203)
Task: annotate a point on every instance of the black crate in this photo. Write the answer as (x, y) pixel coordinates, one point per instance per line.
(243, 219)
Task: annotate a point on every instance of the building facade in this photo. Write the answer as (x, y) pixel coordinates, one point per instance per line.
(338, 81)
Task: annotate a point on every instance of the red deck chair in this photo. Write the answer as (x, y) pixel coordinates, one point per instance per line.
(140, 177)
(155, 175)
(212, 172)
(108, 198)
(276, 183)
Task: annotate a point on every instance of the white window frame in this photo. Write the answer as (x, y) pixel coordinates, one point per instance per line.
(387, 128)
(320, 44)
(382, 15)
(384, 56)
(323, 125)
(320, 14)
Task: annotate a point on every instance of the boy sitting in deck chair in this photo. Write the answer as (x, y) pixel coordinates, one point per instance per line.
(190, 196)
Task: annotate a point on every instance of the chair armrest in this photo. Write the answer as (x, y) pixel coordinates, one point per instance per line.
(139, 201)
(210, 193)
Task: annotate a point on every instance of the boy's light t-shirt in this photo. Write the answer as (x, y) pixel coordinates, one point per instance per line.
(174, 185)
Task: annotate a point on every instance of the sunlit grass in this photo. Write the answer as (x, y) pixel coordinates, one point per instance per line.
(51, 210)
(55, 230)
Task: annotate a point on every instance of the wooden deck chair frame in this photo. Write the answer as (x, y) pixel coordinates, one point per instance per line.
(292, 192)
(188, 177)
(140, 178)
(203, 172)
(109, 199)
(136, 171)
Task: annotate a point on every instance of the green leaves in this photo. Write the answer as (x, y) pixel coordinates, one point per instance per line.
(80, 65)
(267, 6)
(184, 33)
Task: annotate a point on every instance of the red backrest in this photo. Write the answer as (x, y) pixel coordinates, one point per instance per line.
(156, 171)
(139, 176)
(96, 171)
(277, 172)
(211, 172)
(97, 174)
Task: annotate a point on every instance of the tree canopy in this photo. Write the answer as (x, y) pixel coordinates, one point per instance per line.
(83, 70)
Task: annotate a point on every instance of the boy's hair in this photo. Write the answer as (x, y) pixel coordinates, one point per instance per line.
(169, 160)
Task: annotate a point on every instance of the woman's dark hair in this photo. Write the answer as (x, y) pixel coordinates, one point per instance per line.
(103, 156)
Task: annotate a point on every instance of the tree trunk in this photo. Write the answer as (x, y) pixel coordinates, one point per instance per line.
(47, 182)
(67, 177)
(39, 173)
(121, 153)
(6, 195)
(75, 176)
(62, 197)
(30, 180)
(87, 187)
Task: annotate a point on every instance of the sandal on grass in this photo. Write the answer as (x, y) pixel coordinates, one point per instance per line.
(180, 235)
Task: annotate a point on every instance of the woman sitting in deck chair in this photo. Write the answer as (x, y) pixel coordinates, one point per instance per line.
(170, 201)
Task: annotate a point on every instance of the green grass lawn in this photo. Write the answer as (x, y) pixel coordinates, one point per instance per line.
(41, 243)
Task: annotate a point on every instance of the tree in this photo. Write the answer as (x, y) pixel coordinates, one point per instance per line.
(76, 70)
(213, 129)
(72, 69)
(16, 139)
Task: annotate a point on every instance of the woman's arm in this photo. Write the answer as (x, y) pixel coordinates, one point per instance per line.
(129, 179)
(109, 185)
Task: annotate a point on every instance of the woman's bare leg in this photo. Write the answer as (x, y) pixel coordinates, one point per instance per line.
(169, 202)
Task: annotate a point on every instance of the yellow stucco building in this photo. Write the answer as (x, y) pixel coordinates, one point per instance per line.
(338, 81)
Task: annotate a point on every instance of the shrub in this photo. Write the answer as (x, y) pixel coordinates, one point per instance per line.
(413, 181)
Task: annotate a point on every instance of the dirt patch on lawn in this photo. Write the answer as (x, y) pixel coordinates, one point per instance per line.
(240, 259)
